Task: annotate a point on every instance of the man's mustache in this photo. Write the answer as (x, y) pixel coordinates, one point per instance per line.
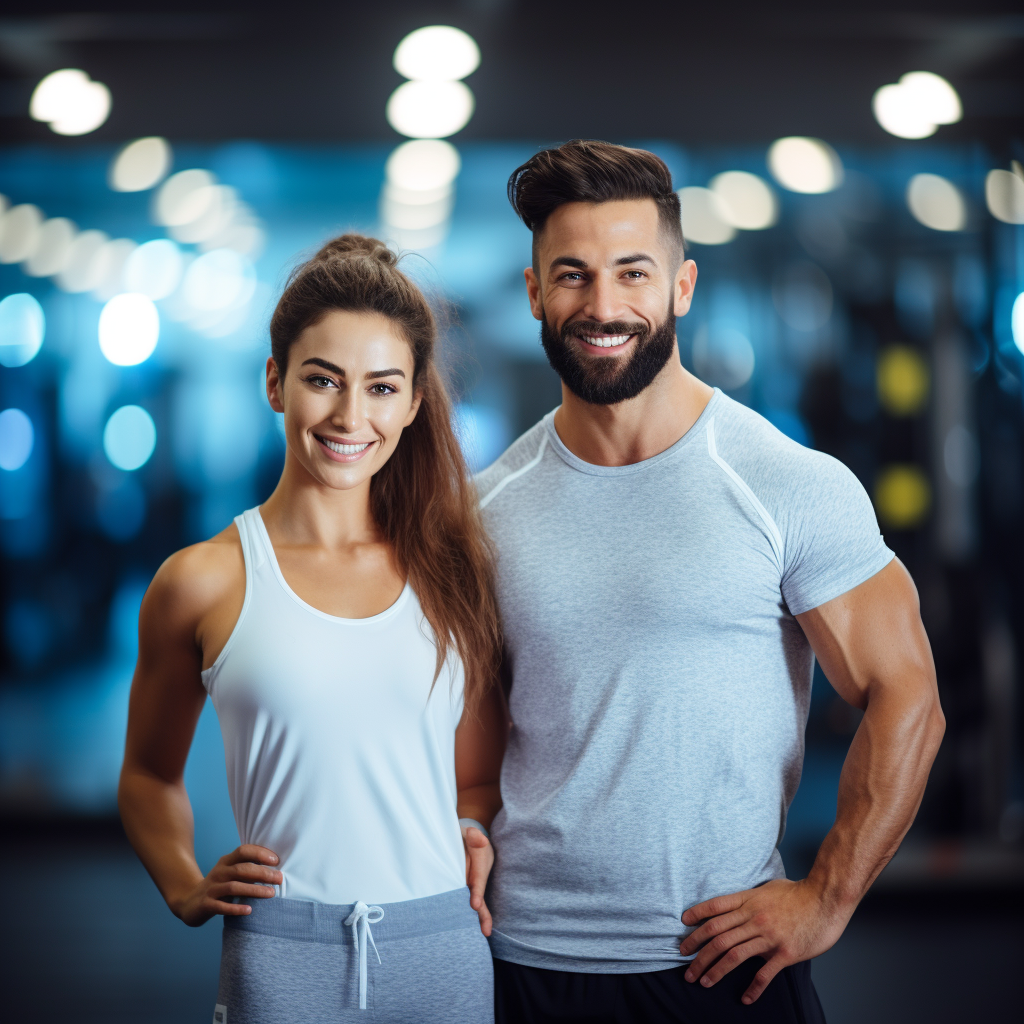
(579, 328)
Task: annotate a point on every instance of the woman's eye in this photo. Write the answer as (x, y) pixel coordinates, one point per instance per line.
(319, 381)
(381, 389)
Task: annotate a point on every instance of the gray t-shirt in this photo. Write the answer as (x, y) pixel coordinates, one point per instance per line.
(659, 680)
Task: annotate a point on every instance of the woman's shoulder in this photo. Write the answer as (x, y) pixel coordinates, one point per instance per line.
(195, 579)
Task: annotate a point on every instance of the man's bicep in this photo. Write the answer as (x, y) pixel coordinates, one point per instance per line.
(871, 636)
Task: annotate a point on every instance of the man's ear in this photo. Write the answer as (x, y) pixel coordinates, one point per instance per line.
(274, 386)
(686, 281)
(533, 291)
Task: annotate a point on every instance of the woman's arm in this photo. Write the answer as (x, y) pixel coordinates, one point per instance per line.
(479, 749)
(167, 698)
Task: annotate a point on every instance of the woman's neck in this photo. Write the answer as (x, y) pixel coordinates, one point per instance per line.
(304, 511)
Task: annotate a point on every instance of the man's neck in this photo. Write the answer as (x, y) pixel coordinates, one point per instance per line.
(638, 429)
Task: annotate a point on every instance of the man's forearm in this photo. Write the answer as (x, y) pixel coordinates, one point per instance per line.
(880, 790)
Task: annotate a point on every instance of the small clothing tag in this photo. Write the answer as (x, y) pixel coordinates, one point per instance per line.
(220, 1014)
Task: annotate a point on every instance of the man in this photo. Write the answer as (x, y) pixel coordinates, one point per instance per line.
(669, 565)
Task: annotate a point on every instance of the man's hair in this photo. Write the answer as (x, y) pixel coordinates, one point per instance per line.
(587, 171)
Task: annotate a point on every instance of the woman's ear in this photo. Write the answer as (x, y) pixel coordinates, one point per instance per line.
(275, 386)
(416, 399)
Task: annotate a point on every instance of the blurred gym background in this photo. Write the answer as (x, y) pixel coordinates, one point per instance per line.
(853, 195)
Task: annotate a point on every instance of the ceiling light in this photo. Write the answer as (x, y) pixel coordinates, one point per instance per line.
(805, 165)
(704, 217)
(437, 53)
(70, 102)
(936, 203)
(423, 164)
(184, 197)
(914, 107)
(82, 271)
(140, 165)
(153, 269)
(53, 248)
(748, 201)
(218, 280)
(430, 110)
(19, 232)
(1004, 196)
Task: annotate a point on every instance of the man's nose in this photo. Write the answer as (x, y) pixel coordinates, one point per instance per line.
(603, 304)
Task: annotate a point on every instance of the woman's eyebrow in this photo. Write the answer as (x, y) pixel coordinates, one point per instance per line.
(393, 372)
(325, 364)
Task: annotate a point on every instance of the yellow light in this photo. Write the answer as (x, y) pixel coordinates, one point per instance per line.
(902, 496)
(903, 381)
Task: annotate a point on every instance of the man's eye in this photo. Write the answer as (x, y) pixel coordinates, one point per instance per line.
(634, 275)
(572, 276)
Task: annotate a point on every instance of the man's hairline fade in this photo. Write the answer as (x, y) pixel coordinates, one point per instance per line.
(592, 171)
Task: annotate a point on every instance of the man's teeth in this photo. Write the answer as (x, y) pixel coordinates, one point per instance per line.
(345, 449)
(606, 340)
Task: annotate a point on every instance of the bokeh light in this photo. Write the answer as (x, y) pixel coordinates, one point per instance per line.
(53, 248)
(220, 203)
(218, 280)
(109, 267)
(437, 53)
(902, 496)
(936, 203)
(914, 107)
(723, 356)
(129, 437)
(805, 165)
(423, 165)
(184, 197)
(747, 200)
(83, 269)
(153, 269)
(140, 165)
(70, 102)
(16, 439)
(1017, 322)
(129, 329)
(903, 380)
(1004, 196)
(704, 217)
(802, 294)
(22, 328)
(19, 232)
(430, 110)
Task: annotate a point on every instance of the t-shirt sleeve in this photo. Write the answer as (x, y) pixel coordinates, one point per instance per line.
(831, 538)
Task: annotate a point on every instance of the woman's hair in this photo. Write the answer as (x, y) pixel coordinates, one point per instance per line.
(421, 499)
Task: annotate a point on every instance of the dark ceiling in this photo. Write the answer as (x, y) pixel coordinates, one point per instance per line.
(718, 74)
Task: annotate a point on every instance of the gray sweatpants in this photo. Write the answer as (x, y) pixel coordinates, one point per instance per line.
(296, 962)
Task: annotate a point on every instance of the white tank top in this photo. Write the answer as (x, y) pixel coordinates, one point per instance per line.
(336, 758)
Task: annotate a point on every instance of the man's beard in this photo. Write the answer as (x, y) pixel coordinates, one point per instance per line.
(611, 379)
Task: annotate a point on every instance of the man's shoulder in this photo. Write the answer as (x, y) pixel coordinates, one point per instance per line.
(779, 470)
(518, 458)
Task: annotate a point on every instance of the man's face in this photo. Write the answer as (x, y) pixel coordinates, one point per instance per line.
(607, 290)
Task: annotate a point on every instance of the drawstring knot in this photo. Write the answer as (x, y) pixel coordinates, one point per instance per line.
(360, 920)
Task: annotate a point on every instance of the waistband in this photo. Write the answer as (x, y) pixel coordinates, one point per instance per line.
(325, 922)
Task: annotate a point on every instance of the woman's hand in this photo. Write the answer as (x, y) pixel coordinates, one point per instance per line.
(479, 861)
(243, 872)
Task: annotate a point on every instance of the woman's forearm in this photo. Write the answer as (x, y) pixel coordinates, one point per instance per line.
(480, 802)
(157, 818)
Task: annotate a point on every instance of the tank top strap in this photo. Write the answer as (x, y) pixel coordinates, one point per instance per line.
(254, 548)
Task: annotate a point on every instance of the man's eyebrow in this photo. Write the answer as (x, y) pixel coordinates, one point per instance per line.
(637, 257)
(393, 372)
(569, 261)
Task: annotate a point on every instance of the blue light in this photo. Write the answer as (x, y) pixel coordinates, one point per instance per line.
(1017, 322)
(121, 511)
(129, 437)
(16, 439)
(22, 327)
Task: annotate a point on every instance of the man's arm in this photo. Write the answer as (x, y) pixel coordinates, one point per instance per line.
(872, 646)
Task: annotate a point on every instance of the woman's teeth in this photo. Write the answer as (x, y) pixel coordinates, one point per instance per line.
(345, 449)
(606, 340)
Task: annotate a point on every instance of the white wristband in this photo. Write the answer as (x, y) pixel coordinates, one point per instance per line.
(473, 823)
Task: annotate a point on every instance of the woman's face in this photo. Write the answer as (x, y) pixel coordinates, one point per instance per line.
(346, 396)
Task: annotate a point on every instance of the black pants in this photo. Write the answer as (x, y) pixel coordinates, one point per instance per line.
(531, 995)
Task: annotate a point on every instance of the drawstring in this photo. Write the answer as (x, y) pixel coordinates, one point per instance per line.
(360, 920)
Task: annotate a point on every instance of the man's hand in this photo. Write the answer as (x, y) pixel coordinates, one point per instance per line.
(784, 922)
(479, 861)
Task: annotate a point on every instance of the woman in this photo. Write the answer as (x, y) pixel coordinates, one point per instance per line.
(347, 634)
